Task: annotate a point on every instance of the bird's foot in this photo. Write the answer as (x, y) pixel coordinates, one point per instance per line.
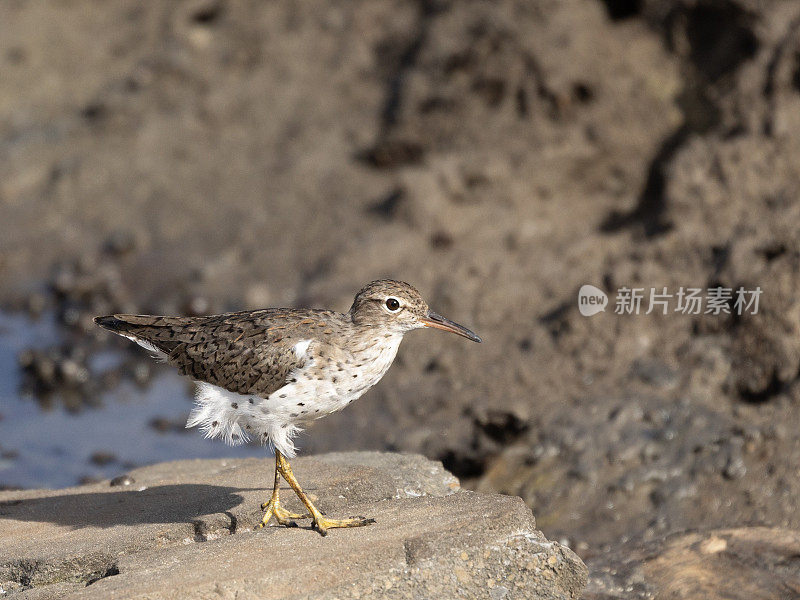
(282, 516)
(322, 524)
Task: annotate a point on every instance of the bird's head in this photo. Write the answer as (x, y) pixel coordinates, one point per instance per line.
(399, 307)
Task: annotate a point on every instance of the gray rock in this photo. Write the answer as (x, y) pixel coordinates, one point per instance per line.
(748, 563)
(185, 530)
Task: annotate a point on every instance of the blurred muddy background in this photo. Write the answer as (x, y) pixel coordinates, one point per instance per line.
(196, 157)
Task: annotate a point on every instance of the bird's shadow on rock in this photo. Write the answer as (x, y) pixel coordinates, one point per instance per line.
(181, 503)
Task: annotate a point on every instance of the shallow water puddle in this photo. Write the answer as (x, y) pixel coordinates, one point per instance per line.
(56, 448)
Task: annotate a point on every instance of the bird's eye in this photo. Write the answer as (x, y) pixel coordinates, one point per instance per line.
(393, 304)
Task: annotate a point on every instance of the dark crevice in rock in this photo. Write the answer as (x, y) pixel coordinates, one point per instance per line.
(502, 426)
(405, 61)
(720, 256)
(651, 206)
(582, 92)
(462, 465)
(543, 91)
(557, 320)
(619, 10)
(521, 100)
(491, 432)
(109, 572)
(771, 85)
(773, 251)
(94, 111)
(388, 152)
(207, 13)
(387, 206)
(701, 115)
(774, 388)
(720, 38)
(796, 74)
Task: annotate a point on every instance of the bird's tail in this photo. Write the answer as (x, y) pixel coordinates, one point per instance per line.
(131, 327)
(111, 322)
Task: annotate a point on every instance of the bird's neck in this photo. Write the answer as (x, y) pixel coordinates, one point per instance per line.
(370, 340)
(376, 350)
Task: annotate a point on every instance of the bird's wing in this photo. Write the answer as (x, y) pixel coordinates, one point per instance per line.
(249, 352)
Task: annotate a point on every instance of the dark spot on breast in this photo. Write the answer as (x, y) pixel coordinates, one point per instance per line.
(215, 423)
(316, 410)
(335, 379)
(300, 404)
(284, 426)
(293, 415)
(235, 436)
(251, 401)
(234, 405)
(293, 380)
(356, 375)
(282, 396)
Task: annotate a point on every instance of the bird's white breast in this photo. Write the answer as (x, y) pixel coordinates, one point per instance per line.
(329, 380)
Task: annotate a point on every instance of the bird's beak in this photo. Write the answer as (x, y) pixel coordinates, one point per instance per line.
(439, 322)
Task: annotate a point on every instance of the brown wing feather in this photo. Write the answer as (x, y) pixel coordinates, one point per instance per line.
(246, 352)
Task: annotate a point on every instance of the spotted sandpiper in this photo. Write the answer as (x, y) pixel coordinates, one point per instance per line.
(266, 373)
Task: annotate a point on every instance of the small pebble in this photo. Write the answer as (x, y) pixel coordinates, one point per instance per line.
(122, 480)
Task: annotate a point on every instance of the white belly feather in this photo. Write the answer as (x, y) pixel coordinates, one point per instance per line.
(309, 395)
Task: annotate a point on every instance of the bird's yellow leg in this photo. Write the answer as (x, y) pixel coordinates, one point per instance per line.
(273, 507)
(321, 523)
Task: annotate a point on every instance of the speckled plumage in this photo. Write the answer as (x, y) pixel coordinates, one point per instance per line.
(247, 352)
(266, 373)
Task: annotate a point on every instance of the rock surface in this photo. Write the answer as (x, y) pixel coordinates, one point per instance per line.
(185, 530)
(753, 563)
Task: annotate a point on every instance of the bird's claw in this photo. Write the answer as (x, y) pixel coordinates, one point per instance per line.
(321, 524)
(282, 516)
